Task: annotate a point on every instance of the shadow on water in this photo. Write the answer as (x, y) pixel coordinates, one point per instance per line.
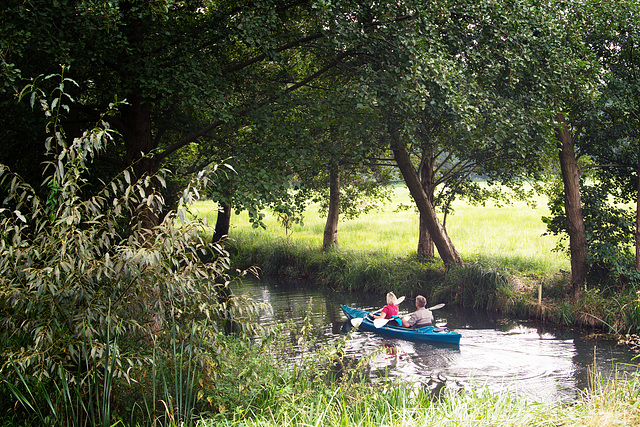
(539, 361)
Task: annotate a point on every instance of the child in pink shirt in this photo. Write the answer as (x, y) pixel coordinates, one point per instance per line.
(389, 310)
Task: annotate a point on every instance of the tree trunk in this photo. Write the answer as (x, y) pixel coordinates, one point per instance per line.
(426, 248)
(223, 223)
(439, 235)
(135, 121)
(638, 215)
(136, 131)
(573, 208)
(330, 238)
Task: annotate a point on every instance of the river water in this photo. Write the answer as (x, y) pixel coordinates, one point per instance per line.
(542, 362)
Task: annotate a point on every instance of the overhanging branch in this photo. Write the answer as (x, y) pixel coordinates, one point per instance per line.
(245, 111)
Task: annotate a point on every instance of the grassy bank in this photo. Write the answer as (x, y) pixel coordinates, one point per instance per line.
(402, 406)
(257, 384)
(508, 260)
(310, 392)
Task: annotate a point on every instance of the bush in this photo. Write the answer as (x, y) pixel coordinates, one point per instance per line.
(86, 289)
(610, 233)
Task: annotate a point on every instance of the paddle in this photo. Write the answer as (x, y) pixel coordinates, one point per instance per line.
(358, 320)
(379, 323)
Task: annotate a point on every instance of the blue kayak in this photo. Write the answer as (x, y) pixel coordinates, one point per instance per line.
(426, 333)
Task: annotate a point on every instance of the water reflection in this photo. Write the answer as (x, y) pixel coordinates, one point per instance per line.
(541, 362)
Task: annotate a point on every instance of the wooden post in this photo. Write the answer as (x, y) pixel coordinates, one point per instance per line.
(540, 299)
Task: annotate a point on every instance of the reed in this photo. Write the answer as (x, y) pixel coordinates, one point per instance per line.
(168, 399)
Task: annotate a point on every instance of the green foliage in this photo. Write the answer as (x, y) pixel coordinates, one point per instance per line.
(610, 231)
(173, 389)
(606, 402)
(360, 196)
(339, 269)
(87, 292)
(62, 400)
(279, 372)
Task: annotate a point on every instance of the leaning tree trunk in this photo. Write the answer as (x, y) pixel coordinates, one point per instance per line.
(330, 238)
(573, 208)
(439, 235)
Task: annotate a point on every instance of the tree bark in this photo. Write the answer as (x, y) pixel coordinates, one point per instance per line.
(638, 215)
(223, 223)
(426, 248)
(330, 238)
(573, 208)
(439, 235)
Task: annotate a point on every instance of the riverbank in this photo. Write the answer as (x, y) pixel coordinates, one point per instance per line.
(478, 285)
(512, 265)
(401, 406)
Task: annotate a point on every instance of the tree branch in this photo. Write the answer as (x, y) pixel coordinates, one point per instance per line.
(245, 111)
(608, 165)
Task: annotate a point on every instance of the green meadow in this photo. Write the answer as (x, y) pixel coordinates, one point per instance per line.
(511, 236)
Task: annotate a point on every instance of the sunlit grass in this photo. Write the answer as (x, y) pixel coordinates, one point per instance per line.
(511, 235)
(401, 406)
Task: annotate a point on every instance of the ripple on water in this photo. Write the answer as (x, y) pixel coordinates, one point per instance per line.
(497, 352)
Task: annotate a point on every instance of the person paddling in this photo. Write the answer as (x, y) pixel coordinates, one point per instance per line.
(389, 310)
(419, 318)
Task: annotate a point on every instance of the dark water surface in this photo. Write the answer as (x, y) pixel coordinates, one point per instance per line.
(539, 361)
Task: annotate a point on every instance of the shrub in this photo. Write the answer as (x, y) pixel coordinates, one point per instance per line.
(83, 284)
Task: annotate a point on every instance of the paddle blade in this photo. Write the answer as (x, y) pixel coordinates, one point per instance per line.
(435, 307)
(399, 300)
(356, 321)
(379, 323)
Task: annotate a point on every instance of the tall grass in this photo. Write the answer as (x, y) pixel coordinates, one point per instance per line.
(168, 400)
(401, 405)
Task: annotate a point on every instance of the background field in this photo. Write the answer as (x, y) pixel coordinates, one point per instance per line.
(511, 236)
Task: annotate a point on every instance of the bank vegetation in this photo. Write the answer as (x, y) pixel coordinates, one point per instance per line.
(512, 263)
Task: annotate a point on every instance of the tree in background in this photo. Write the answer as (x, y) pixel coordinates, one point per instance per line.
(593, 90)
(447, 99)
(538, 79)
(610, 145)
(341, 167)
(190, 72)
